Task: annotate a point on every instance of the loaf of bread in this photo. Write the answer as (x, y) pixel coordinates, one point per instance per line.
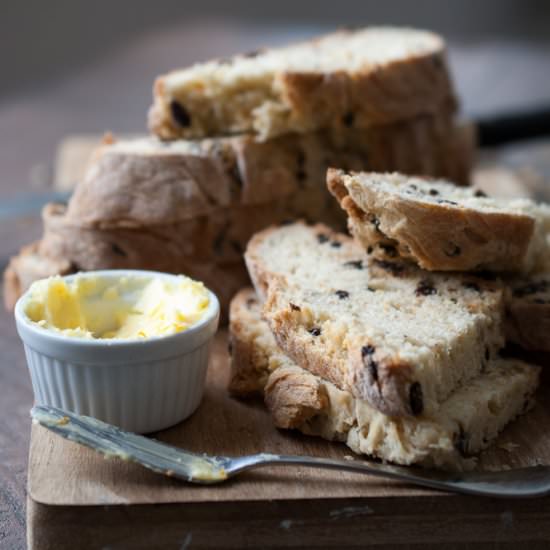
(528, 312)
(466, 422)
(349, 79)
(145, 181)
(397, 336)
(439, 226)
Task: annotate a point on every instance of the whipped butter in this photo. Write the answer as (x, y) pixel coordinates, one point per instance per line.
(125, 307)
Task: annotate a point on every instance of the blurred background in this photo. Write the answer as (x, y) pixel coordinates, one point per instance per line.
(75, 67)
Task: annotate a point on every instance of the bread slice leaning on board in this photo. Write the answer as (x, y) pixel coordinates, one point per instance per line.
(360, 78)
(439, 226)
(466, 422)
(392, 334)
(147, 181)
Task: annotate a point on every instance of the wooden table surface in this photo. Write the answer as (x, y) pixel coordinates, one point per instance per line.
(489, 76)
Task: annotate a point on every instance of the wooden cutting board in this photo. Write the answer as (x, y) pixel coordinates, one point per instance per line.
(77, 499)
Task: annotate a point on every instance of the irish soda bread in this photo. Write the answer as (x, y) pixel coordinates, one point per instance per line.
(347, 79)
(466, 422)
(401, 338)
(439, 226)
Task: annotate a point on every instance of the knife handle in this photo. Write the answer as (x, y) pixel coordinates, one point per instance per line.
(506, 128)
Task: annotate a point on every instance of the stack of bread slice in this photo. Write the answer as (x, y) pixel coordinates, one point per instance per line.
(241, 143)
(390, 341)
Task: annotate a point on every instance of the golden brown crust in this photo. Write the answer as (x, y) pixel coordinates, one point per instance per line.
(378, 94)
(390, 392)
(300, 400)
(436, 236)
(340, 350)
(199, 178)
(293, 396)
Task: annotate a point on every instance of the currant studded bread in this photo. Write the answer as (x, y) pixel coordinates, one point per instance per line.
(254, 352)
(528, 312)
(204, 199)
(466, 422)
(347, 79)
(439, 226)
(401, 338)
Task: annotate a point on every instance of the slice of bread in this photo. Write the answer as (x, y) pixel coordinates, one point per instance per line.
(29, 266)
(347, 79)
(528, 312)
(439, 226)
(254, 352)
(401, 338)
(202, 200)
(466, 422)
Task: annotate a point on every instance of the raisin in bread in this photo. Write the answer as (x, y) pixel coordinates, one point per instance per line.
(466, 422)
(439, 226)
(347, 79)
(399, 337)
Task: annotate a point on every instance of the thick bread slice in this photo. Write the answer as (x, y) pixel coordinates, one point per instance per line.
(347, 79)
(28, 266)
(220, 236)
(439, 226)
(466, 422)
(401, 338)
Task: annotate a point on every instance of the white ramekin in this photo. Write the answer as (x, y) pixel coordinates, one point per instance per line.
(139, 385)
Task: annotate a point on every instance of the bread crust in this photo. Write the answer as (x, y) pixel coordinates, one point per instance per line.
(298, 399)
(288, 101)
(384, 378)
(294, 396)
(436, 236)
(215, 193)
(249, 363)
